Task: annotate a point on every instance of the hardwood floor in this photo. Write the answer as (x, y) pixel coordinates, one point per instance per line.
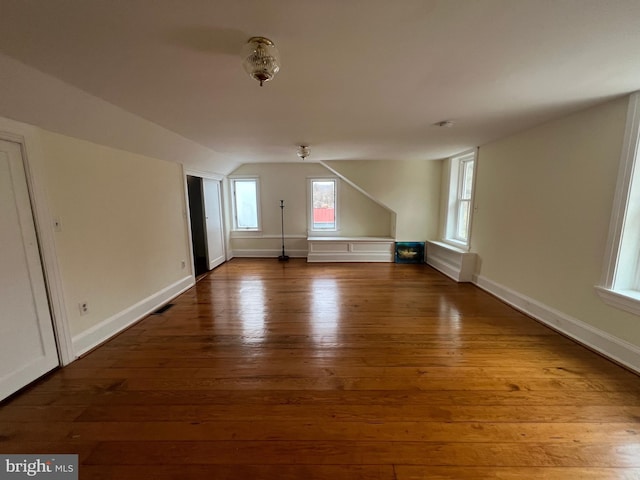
(268, 370)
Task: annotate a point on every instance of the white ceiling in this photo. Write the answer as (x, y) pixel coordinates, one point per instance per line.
(360, 79)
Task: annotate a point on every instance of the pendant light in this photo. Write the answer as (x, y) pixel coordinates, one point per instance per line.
(303, 151)
(261, 59)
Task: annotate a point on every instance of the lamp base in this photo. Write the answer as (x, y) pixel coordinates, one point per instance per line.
(283, 258)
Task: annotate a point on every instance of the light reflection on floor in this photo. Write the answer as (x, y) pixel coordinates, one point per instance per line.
(325, 309)
(448, 314)
(252, 314)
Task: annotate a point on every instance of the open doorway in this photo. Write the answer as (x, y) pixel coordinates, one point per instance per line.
(207, 224)
(198, 226)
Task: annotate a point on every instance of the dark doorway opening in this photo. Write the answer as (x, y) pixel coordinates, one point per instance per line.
(198, 227)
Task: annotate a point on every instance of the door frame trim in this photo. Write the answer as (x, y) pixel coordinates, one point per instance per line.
(223, 216)
(31, 153)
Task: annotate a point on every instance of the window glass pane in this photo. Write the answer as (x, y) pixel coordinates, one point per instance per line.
(467, 180)
(463, 220)
(459, 209)
(323, 200)
(246, 204)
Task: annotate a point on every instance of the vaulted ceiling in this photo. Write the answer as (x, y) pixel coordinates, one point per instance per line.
(360, 79)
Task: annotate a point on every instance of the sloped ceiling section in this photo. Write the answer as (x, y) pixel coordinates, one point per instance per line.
(410, 189)
(360, 79)
(30, 96)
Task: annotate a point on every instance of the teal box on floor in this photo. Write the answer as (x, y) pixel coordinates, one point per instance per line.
(409, 252)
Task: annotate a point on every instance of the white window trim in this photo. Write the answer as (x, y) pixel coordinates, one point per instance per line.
(623, 296)
(310, 229)
(232, 180)
(453, 198)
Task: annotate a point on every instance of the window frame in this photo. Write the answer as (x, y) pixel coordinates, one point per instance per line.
(620, 281)
(233, 181)
(310, 223)
(455, 200)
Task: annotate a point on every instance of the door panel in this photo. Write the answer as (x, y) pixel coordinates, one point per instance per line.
(213, 216)
(27, 343)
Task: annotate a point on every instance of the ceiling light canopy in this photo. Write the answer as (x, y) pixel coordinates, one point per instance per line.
(261, 59)
(303, 151)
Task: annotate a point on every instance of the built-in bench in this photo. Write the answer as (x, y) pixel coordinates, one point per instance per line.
(350, 249)
(454, 262)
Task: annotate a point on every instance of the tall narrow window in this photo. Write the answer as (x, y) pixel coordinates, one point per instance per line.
(465, 188)
(245, 203)
(458, 220)
(620, 282)
(323, 203)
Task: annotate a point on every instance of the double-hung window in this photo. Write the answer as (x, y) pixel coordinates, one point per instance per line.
(246, 205)
(620, 282)
(460, 204)
(323, 205)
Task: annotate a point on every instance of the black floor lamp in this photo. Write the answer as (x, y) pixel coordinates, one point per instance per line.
(283, 257)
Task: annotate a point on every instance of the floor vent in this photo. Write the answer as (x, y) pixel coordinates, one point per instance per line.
(163, 309)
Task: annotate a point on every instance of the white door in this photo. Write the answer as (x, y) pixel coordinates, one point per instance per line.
(213, 217)
(27, 343)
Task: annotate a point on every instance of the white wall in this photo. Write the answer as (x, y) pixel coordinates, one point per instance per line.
(409, 188)
(106, 173)
(123, 234)
(543, 204)
(358, 215)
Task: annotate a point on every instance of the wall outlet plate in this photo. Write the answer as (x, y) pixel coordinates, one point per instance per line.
(84, 308)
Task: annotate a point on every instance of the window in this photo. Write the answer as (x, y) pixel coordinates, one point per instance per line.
(461, 179)
(620, 283)
(323, 204)
(246, 214)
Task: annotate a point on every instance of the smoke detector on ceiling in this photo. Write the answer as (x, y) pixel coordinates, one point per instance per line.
(445, 123)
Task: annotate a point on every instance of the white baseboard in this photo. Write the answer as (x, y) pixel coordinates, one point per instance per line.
(266, 253)
(598, 340)
(113, 325)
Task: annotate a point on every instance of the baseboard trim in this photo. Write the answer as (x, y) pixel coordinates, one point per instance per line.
(94, 336)
(612, 347)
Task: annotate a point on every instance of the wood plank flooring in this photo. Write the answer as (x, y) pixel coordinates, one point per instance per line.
(268, 370)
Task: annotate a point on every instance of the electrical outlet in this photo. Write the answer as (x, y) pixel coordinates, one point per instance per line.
(84, 308)
(183, 263)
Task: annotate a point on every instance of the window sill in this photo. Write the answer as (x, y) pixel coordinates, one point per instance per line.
(321, 233)
(628, 300)
(245, 233)
(456, 243)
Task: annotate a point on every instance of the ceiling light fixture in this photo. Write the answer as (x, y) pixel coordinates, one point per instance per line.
(261, 59)
(303, 151)
(445, 123)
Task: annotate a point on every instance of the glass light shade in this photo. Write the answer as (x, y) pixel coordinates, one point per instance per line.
(261, 59)
(303, 151)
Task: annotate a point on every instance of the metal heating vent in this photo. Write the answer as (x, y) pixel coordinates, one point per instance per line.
(163, 309)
